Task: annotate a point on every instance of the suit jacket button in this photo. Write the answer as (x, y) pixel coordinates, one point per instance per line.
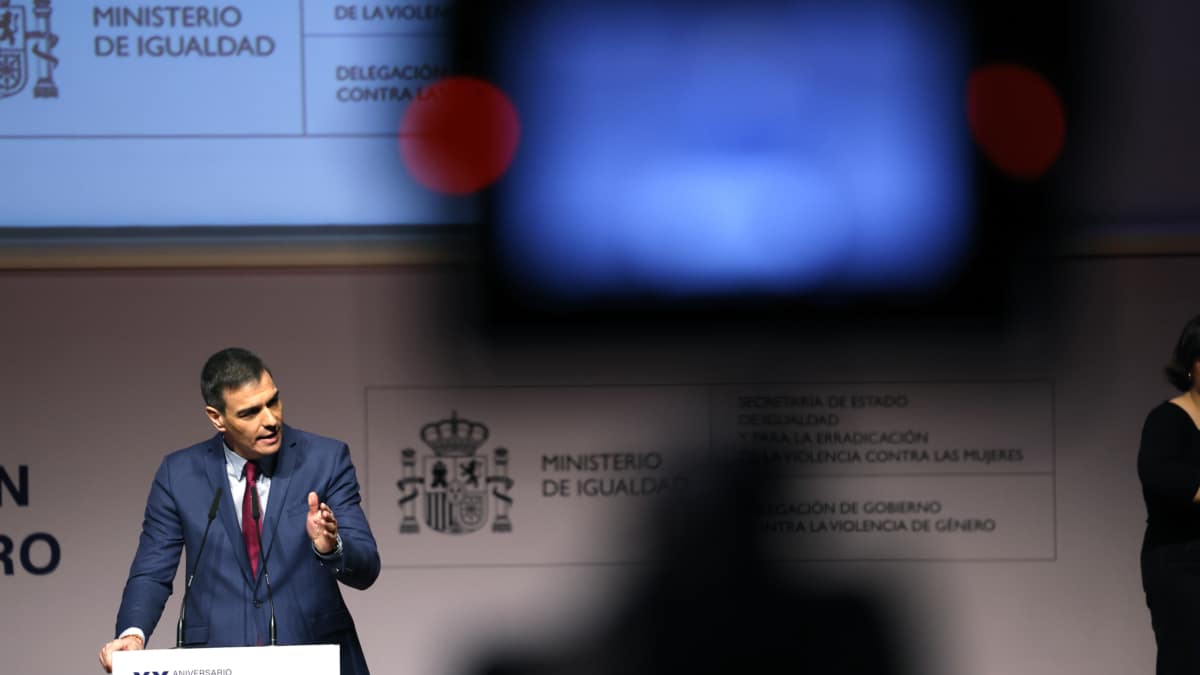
(257, 604)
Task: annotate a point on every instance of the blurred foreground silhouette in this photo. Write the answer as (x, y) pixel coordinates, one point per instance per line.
(710, 602)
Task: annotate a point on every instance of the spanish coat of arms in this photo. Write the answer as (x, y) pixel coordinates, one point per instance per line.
(17, 40)
(458, 482)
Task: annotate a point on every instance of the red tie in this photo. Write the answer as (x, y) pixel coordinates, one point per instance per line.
(251, 529)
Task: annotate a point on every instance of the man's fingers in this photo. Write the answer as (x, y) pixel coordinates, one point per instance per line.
(321, 522)
(329, 518)
(118, 645)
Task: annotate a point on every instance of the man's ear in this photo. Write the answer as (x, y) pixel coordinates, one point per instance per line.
(216, 417)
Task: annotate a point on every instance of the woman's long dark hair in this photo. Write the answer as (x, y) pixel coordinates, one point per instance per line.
(1183, 359)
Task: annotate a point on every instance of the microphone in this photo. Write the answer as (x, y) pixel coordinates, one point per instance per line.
(255, 513)
(187, 589)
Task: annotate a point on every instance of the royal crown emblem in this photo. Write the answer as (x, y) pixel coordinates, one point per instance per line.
(456, 480)
(454, 437)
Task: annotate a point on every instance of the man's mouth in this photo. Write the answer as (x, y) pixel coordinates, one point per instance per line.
(269, 438)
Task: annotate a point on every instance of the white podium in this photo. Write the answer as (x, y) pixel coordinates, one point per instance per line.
(290, 660)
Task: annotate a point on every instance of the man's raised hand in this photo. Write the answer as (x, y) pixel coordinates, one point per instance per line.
(322, 525)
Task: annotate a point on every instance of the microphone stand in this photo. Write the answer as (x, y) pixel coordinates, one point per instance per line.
(256, 513)
(187, 589)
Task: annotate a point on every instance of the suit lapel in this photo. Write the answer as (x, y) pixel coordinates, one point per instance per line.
(285, 468)
(230, 516)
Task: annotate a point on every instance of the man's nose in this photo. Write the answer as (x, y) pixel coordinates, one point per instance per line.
(269, 418)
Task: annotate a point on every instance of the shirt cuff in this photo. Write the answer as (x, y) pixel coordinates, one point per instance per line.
(137, 631)
(332, 555)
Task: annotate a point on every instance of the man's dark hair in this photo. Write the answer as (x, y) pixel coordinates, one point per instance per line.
(1183, 359)
(229, 369)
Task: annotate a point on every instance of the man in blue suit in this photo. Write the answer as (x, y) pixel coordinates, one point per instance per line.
(306, 533)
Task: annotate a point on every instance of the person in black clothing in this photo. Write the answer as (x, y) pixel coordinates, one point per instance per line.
(1169, 469)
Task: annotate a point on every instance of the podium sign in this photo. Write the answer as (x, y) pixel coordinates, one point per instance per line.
(293, 660)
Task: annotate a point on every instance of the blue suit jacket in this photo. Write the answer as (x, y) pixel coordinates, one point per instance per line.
(228, 606)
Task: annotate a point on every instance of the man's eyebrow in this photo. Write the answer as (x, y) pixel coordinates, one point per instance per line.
(244, 412)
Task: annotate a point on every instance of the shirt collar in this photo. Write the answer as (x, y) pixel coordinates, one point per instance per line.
(235, 464)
